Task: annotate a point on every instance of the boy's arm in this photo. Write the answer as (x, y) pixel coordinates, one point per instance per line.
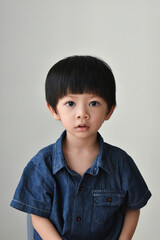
(130, 223)
(45, 228)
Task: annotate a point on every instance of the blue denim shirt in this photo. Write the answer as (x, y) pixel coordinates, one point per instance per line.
(82, 208)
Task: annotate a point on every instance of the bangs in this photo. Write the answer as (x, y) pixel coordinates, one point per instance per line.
(78, 82)
(81, 76)
(78, 75)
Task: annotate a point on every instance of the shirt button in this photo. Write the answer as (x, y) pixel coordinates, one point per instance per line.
(109, 199)
(78, 219)
(81, 188)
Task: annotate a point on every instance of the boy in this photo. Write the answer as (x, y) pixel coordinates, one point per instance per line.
(81, 188)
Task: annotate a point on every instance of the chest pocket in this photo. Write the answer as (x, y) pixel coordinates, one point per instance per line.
(106, 204)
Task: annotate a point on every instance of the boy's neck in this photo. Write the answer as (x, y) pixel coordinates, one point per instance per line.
(80, 153)
(72, 142)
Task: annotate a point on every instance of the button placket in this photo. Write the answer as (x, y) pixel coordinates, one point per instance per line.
(78, 209)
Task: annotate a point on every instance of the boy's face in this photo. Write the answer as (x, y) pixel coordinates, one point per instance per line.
(81, 114)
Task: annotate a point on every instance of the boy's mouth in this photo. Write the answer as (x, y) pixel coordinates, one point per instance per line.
(82, 127)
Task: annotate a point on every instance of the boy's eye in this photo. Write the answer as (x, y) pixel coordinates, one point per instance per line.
(70, 104)
(94, 103)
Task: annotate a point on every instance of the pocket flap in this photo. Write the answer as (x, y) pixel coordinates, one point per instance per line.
(106, 198)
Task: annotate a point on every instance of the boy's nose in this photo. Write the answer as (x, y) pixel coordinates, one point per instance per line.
(82, 114)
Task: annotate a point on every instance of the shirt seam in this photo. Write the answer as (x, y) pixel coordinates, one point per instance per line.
(36, 158)
(30, 206)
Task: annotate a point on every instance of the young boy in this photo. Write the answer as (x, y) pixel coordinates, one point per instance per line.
(81, 188)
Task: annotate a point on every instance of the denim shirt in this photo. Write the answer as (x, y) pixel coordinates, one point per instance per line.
(85, 207)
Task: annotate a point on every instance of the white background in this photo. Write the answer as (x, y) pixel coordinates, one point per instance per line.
(34, 34)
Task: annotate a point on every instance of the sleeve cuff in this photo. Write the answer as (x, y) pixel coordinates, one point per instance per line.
(141, 203)
(29, 209)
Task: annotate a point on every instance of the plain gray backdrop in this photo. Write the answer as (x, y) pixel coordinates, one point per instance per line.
(37, 33)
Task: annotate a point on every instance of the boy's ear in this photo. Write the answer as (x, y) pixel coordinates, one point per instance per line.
(109, 114)
(53, 112)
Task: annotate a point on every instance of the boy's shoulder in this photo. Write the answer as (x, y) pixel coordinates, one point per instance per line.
(43, 157)
(116, 156)
(115, 151)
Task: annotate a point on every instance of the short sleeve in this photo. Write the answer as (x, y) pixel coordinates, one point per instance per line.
(34, 192)
(136, 189)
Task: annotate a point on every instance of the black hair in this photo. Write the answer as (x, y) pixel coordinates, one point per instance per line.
(79, 74)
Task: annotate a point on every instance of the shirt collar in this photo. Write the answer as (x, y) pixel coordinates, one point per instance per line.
(58, 160)
(101, 161)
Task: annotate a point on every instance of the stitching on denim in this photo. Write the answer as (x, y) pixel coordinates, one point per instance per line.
(134, 204)
(30, 206)
(104, 192)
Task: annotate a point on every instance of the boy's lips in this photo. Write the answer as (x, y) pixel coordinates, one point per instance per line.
(82, 127)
